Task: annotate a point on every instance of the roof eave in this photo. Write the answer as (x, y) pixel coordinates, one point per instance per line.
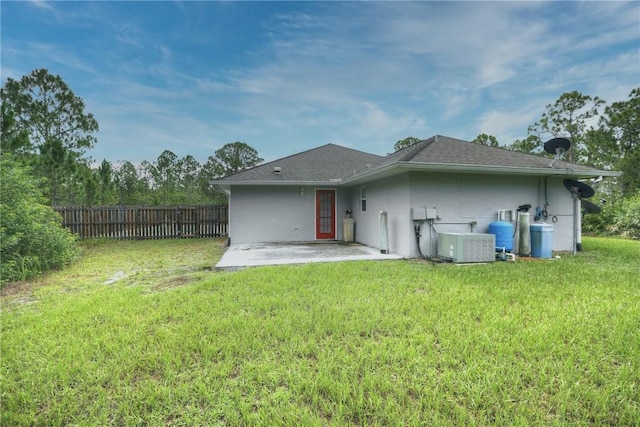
(271, 183)
(399, 167)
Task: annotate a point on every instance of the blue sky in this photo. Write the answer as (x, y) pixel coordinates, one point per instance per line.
(289, 76)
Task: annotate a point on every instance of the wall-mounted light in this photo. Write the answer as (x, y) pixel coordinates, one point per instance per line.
(301, 191)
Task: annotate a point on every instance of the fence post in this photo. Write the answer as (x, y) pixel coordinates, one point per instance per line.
(179, 221)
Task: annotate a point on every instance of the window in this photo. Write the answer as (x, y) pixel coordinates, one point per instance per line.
(363, 199)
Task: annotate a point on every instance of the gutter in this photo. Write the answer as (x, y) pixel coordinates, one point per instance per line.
(226, 184)
(465, 168)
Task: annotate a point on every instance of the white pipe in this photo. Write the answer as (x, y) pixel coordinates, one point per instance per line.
(575, 222)
(525, 240)
(384, 233)
(579, 227)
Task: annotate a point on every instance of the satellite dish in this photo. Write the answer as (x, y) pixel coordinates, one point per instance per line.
(589, 207)
(557, 146)
(580, 189)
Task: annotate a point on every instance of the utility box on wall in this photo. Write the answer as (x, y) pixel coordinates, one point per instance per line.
(418, 214)
(467, 247)
(421, 213)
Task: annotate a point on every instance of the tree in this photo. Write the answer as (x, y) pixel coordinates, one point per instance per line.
(530, 145)
(404, 143)
(234, 157)
(630, 167)
(163, 174)
(188, 170)
(567, 118)
(622, 121)
(12, 139)
(54, 161)
(208, 172)
(484, 139)
(131, 188)
(91, 185)
(105, 180)
(43, 108)
(600, 148)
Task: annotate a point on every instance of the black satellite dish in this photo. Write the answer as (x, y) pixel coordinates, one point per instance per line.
(580, 189)
(557, 146)
(589, 207)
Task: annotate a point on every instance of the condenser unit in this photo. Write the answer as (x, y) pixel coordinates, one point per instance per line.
(467, 247)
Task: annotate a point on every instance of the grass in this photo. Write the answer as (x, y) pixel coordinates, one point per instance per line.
(146, 333)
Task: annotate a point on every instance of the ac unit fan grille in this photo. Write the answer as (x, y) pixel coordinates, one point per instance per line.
(478, 250)
(467, 247)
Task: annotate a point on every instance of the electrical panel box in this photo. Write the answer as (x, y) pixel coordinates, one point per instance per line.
(467, 247)
(418, 214)
(422, 214)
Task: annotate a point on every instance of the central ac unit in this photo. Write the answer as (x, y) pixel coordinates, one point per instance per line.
(467, 247)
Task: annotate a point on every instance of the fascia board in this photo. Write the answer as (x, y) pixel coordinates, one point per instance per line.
(225, 189)
(227, 184)
(399, 167)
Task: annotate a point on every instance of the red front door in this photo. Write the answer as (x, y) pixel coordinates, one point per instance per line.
(325, 214)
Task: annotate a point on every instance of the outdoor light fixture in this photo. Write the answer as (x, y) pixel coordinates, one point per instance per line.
(301, 191)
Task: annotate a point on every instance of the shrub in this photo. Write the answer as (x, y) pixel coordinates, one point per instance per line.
(32, 240)
(621, 219)
(627, 222)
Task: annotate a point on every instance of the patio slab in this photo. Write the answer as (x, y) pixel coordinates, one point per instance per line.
(251, 255)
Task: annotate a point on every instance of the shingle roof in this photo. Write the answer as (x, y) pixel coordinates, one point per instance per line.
(333, 163)
(444, 150)
(323, 164)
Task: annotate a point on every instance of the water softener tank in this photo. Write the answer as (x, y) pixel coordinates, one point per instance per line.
(525, 234)
(503, 231)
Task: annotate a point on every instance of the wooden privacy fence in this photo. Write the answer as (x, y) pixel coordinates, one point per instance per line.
(144, 222)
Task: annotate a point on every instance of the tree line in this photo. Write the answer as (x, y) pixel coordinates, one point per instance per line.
(45, 129)
(170, 180)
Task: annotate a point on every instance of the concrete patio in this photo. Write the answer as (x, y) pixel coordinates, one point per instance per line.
(252, 255)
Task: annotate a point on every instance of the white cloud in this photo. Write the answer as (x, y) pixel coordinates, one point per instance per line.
(508, 125)
(62, 55)
(129, 34)
(42, 4)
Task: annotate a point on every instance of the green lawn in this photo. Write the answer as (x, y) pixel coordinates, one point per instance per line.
(146, 333)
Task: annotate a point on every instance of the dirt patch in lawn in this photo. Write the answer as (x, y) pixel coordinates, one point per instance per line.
(15, 288)
(21, 293)
(173, 282)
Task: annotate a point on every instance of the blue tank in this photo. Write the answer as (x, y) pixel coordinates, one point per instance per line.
(503, 231)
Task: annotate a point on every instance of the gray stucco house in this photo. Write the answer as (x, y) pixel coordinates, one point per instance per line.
(460, 185)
